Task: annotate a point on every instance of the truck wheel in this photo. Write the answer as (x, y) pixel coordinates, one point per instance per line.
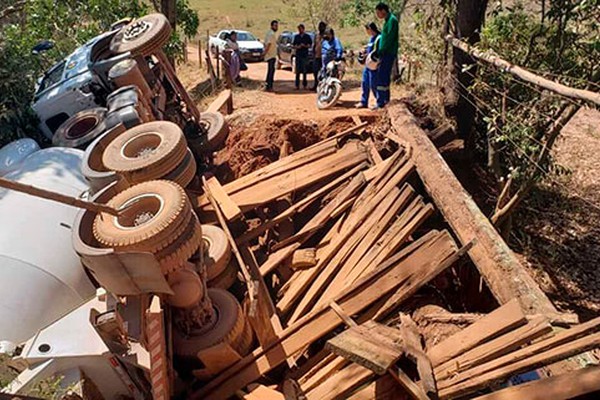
(142, 36)
(217, 129)
(81, 128)
(228, 328)
(147, 151)
(155, 214)
(92, 167)
(217, 250)
(225, 279)
(176, 254)
(185, 172)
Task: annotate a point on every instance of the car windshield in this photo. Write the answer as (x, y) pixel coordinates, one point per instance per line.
(245, 36)
(52, 77)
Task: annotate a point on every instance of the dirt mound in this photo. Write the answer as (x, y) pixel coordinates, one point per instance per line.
(256, 142)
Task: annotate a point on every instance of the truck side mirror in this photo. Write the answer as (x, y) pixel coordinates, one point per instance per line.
(42, 46)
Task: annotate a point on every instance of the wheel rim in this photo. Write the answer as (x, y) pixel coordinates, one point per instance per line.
(136, 29)
(141, 145)
(139, 211)
(82, 127)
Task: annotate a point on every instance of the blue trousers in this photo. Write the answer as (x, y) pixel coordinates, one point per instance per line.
(384, 77)
(369, 84)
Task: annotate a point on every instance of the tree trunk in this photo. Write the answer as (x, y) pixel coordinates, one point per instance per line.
(169, 9)
(470, 15)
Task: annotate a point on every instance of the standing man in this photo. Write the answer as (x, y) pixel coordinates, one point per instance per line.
(271, 54)
(318, 61)
(387, 52)
(302, 42)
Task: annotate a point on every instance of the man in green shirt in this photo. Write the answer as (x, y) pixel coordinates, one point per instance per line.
(387, 52)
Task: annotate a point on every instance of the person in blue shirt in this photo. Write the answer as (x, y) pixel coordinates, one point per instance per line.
(331, 48)
(369, 77)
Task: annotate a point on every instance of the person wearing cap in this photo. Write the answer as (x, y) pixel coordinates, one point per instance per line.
(369, 76)
(387, 50)
(302, 42)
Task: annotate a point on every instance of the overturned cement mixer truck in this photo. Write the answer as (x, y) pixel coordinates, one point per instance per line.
(161, 276)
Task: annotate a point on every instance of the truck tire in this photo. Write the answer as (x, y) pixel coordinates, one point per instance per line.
(226, 278)
(185, 172)
(142, 36)
(176, 254)
(81, 128)
(228, 328)
(217, 250)
(217, 129)
(92, 167)
(147, 151)
(155, 214)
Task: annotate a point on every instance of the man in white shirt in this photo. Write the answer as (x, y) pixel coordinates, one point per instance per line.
(271, 53)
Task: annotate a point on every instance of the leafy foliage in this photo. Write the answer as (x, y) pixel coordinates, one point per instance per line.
(69, 24)
(360, 12)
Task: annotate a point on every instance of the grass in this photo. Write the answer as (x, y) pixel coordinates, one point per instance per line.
(256, 15)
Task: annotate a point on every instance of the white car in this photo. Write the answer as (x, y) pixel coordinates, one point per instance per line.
(251, 49)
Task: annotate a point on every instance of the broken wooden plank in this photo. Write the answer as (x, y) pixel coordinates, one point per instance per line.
(496, 323)
(504, 274)
(410, 272)
(562, 387)
(299, 205)
(218, 357)
(384, 388)
(304, 258)
(413, 348)
(265, 321)
(363, 345)
(230, 210)
(504, 344)
(261, 392)
(223, 101)
(321, 217)
(535, 360)
(250, 282)
(341, 384)
(566, 336)
(411, 387)
(324, 372)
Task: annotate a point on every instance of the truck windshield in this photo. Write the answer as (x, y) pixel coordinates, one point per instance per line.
(52, 77)
(245, 36)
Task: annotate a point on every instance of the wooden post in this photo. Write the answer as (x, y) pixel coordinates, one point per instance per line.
(58, 197)
(200, 53)
(525, 75)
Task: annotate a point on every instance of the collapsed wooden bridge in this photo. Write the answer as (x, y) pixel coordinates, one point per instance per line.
(354, 230)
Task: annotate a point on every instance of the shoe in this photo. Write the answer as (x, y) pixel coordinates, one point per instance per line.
(360, 105)
(297, 87)
(376, 107)
(268, 89)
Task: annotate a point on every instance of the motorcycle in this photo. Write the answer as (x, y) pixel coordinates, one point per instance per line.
(329, 88)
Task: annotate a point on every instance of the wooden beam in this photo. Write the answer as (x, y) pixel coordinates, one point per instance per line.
(496, 323)
(491, 58)
(504, 274)
(231, 211)
(223, 101)
(562, 387)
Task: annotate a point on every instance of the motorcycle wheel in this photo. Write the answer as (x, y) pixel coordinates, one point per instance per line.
(328, 95)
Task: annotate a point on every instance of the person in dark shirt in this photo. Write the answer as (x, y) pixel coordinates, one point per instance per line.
(302, 42)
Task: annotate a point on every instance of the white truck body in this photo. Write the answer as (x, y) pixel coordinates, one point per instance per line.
(41, 277)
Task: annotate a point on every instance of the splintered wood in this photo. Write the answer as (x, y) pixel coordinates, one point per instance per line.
(340, 242)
